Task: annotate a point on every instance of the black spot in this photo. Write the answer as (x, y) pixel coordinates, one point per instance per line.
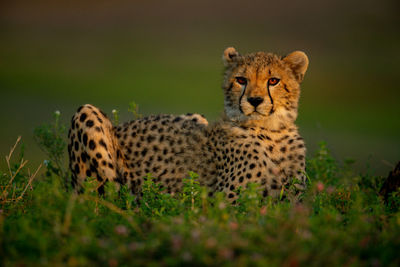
(83, 117)
(177, 119)
(83, 156)
(241, 179)
(76, 145)
(88, 173)
(92, 168)
(150, 138)
(252, 166)
(98, 129)
(103, 162)
(259, 174)
(98, 155)
(89, 123)
(265, 193)
(92, 145)
(231, 195)
(110, 166)
(103, 144)
(95, 163)
(144, 152)
(79, 136)
(85, 139)
(76, 169)
(248, 175)
(283, 149)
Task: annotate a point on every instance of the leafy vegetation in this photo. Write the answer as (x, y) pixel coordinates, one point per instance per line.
(340, 220)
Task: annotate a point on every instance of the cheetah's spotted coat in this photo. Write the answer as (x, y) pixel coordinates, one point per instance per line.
(255, 141)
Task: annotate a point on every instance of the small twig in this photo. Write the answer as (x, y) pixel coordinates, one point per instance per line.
(21, 165)
(13, 148)
(10, 154)
(30, 181)
(12, 177)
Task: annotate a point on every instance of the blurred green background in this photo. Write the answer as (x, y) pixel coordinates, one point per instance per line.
(166, 56)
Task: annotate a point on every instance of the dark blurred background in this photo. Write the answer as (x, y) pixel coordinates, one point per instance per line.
(166, 56)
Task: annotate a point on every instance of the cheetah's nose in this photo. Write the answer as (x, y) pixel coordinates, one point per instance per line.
(255, 101)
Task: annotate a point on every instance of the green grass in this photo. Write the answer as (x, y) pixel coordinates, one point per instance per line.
(341, 219)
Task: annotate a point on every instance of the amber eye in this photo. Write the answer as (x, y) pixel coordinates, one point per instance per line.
(241, 80)
(273, 81)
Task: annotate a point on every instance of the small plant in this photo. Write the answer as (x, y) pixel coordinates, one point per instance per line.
(249, 198)
(191, 191)
(134, 109)
(15, 183)
(51, 140)
(115, 115)
(154, 201)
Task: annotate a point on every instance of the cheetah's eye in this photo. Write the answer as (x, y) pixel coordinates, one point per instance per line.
(273, 81)
(241, 80)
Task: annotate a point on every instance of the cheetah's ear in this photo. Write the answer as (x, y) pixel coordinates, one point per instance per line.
(230, 54)
(298, 62)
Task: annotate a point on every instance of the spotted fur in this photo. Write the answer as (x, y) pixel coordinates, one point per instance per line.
(256, 140)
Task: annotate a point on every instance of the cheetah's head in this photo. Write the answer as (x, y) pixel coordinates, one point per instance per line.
(262, 87)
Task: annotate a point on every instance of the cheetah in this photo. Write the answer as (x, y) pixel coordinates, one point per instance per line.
(255, 140)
